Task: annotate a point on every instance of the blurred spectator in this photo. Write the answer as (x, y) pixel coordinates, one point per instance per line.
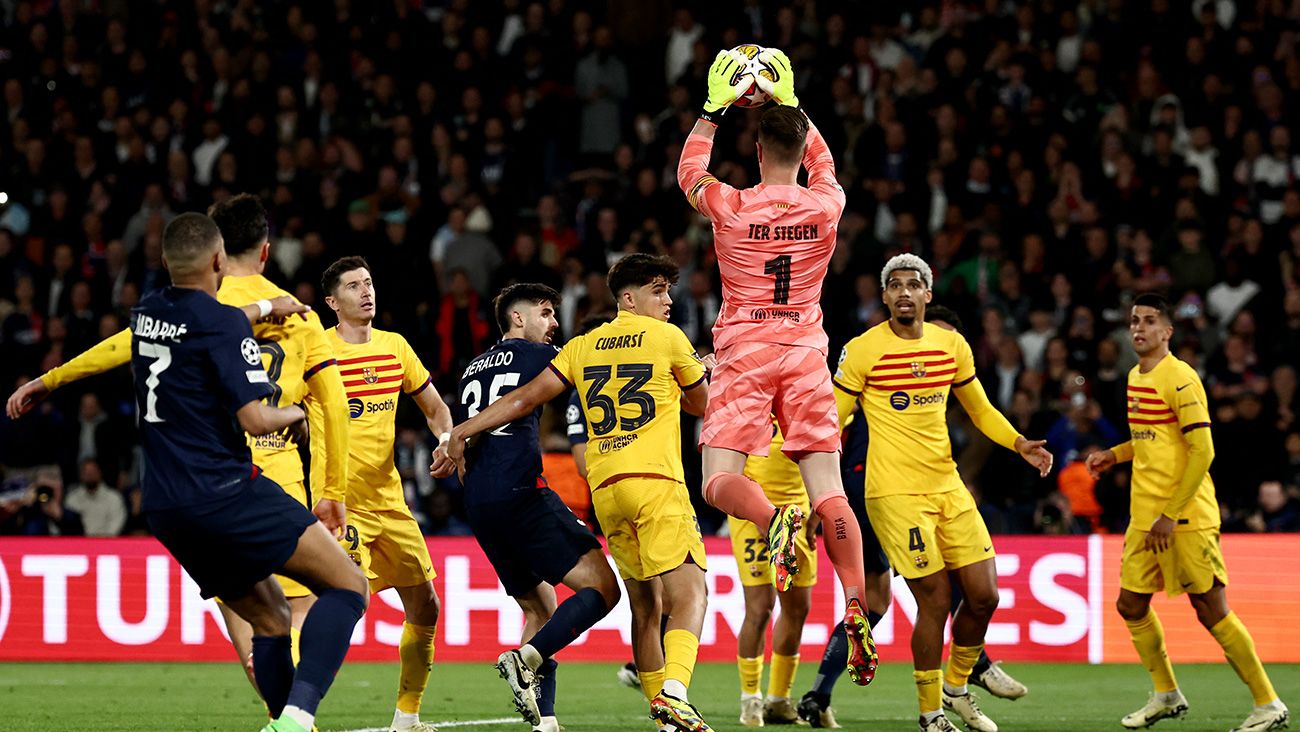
(1278, 510)
(1048, 167)
(101, 508)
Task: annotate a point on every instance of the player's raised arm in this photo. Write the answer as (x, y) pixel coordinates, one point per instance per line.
(988, 419)
(115, 351)
(704, 192)
(104, 356)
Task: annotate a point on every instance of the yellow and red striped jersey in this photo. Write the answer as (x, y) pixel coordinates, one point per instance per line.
(1164, 404)
(374, 375)
(903, 387)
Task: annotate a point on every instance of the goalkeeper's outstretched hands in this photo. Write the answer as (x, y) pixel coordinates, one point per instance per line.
(727, 81)
(782, 88)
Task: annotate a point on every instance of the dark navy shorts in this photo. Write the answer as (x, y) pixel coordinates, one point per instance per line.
(530, 538)
(855, 486)
(229, 545)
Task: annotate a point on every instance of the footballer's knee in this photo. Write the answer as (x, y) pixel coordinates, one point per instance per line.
(983, 603)
(272, 619)
(1132, 607)
(607, 585)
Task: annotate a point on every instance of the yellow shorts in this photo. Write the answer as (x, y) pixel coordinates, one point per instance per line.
(650, 526)
(924, 534)
(1190, 565)
(389, 548)
(291, 587)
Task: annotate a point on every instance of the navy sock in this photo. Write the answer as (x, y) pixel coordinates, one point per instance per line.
(834, 661)
(273, 669)
(571, 619)
(982, 664)
(326, 634)
(833, 664)
(546, 690)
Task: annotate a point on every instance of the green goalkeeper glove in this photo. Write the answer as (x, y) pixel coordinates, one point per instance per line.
(728, 79)
(782, 88)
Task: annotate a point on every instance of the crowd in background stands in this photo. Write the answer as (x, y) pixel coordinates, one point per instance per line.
(1050, 159)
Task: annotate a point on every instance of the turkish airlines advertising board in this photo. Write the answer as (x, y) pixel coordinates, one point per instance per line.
(127, 600)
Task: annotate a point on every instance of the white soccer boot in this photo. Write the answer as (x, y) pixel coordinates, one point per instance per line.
(966, 708)
(751, 711)
(938, 724)
(511, 667)
(999, 683)
(1273, 715)
(1158, 707)
(549, 724)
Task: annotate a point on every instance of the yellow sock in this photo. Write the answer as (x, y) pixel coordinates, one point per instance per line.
(961, 659)
(928, 688)
(416, 655)
(652, 682)
(1149, 639)
(295, 637)
(782, 680)
(681, 647)
(1239, 648)
(751, 673)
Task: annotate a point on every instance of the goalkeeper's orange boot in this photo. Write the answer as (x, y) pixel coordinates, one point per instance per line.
(862, 647)
(781, 533)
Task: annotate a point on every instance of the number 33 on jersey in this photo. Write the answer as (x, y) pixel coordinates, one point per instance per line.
(630, 374)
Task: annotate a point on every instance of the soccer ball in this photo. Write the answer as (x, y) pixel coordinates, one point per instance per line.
(752, 97)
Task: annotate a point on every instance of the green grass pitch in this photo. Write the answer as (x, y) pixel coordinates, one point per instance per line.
(175, 697)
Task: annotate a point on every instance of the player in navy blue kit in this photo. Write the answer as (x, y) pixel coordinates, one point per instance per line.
(532, 539)
(199, 387)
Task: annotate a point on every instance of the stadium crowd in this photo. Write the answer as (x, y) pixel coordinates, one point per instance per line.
(1049, 159)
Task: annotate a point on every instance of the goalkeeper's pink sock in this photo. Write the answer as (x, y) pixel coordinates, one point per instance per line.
(738, 496)
(843, 537)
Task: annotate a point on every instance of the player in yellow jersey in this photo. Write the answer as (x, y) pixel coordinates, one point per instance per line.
(783, 485)
(901, 372)
(1172, 542)
(299, 363)
(635, 374)
(381, 535)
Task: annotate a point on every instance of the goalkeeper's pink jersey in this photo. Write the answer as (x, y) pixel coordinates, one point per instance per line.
(773, 243)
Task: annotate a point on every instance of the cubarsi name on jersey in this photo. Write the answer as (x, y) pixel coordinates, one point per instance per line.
(155, 329)
(491, 360)
(632, 340)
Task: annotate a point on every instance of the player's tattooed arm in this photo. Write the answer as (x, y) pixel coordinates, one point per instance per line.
(518, 403)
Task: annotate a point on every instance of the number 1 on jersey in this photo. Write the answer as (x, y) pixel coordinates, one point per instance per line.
(779, 267)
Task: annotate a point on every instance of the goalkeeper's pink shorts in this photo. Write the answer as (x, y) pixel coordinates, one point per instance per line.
(754, 381)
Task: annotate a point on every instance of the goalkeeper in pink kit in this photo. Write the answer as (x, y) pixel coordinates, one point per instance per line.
(773, 244)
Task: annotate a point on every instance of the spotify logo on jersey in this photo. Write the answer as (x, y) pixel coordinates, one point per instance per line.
(900, 400)
(355, 408)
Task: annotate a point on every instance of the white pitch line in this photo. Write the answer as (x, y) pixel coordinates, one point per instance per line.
(462, 723)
